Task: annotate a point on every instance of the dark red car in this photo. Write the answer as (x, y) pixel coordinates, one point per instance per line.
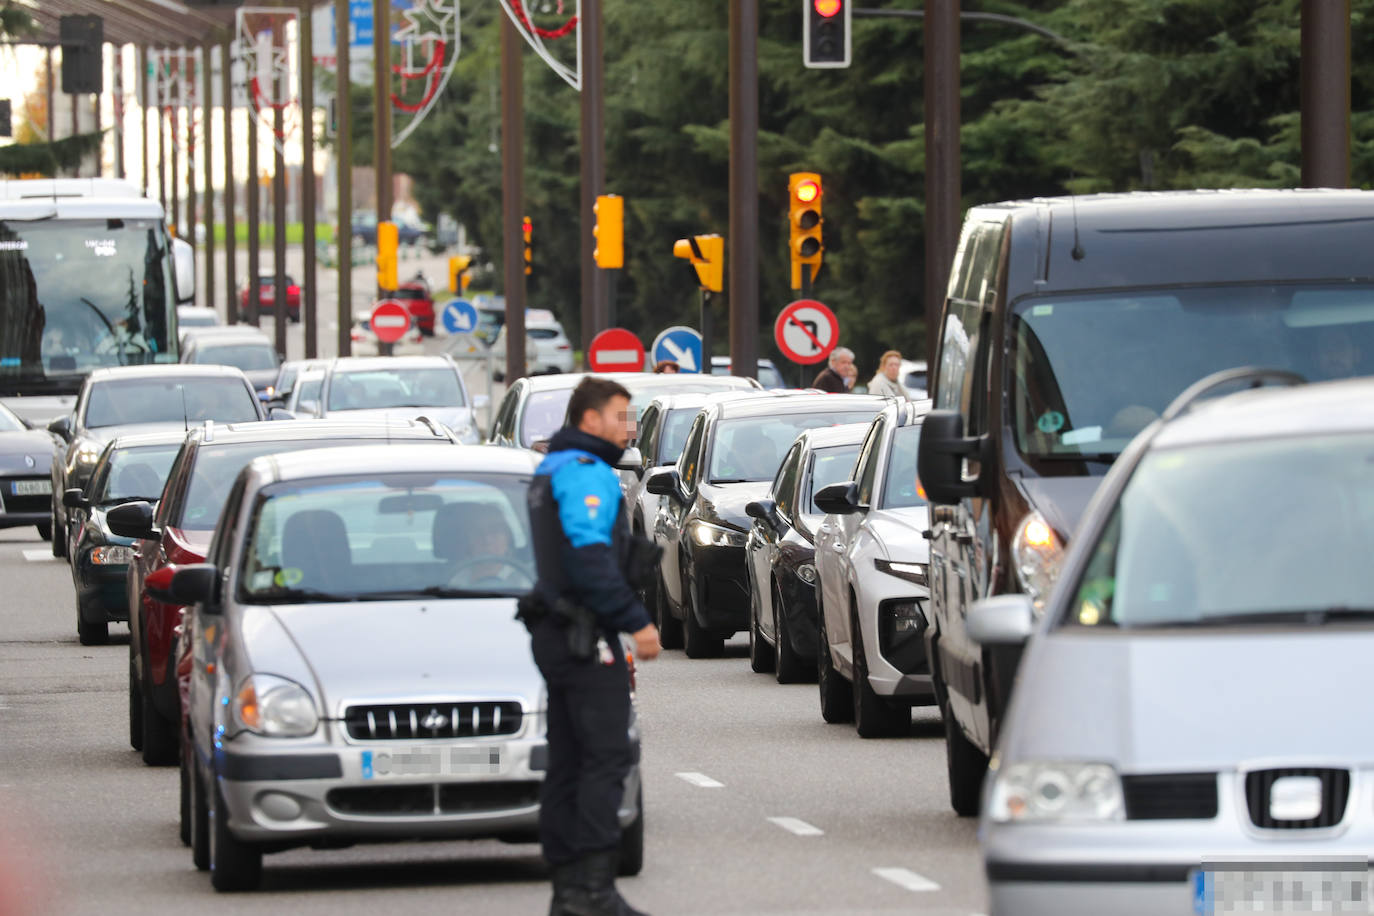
(267, 298)
(416, 297)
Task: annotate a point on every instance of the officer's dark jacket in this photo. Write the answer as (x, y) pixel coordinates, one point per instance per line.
(581, 535)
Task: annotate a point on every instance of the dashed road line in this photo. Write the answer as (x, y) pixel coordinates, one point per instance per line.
(700, 780)
(906, 878)
(40, 556)
(797, 826)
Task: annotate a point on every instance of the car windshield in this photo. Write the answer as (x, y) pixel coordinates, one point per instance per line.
(377, 389)
(9, 423)
(137, 472)
(673, 437)
(751, 448)
(901, 489)
(543, 415)
(390, 536)
(830, 465)
(1089, 373)
(648, 386)
(768, 376)
(309, 391)
(1243, 528)
(168, 400)
(196, 320)
(248, 357)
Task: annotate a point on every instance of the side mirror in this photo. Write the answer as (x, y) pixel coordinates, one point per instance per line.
(1003, 620)
(75, 499)
(195, 584)
(631, 460)
(541, 446)
(184, 259)
(838, 498)
(280, 413)
(764, 510)
(942, 457)
(133, 520)
(159, 584)
(664, 483)
(62, 427)
(481, 401)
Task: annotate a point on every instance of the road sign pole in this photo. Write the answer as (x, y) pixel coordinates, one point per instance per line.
(744, 187)
(596, 314)
(343, 164)
(307, 198)
(254, 220)
(513, 195)
(706, 331)
(279, 311)
(942, 157)
(231, 270)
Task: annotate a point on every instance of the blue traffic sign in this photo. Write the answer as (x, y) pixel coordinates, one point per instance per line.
(460, 317)
(681, 345)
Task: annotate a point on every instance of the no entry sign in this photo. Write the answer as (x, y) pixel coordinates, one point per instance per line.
(616, 350)
(389, 321)
(806, 331)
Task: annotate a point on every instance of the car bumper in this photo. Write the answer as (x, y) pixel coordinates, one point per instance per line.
(1124, 898)
(722, 587)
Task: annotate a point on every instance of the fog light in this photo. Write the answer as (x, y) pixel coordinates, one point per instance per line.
(279, 806)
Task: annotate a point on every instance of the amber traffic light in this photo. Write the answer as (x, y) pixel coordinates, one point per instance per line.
(458, 272)
(527, 229)
(804, 244)
(707, 254)
(609, 231)
(388, 266)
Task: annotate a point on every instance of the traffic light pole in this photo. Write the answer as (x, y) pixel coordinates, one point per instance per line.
(706, 329)
(254, 222)
(226, 85)
(744, 190)
(1325, 94)
(307, 284)
(381, 104)
(513, 195)
(344, 166)
(279, 213)
(596, 310)
(942, 158)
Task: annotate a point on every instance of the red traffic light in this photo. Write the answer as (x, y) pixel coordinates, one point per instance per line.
(527, 227)
(827, 8)
(808, 191)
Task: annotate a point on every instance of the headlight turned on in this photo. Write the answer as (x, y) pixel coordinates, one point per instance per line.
(1038, 555)
(708, 535)
(912, 572)
(1050, 792)
(275, 707)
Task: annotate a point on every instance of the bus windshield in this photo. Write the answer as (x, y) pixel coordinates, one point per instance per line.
(81, 294)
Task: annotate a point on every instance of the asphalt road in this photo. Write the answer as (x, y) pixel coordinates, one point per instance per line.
(754, 805)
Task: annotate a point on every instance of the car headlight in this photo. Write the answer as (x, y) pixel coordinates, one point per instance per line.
(1038, 555)
(84, 460)
(112, 556)
(912, 572)
(275, 707)
(1056, 793)
(807, 573)
(708, 535)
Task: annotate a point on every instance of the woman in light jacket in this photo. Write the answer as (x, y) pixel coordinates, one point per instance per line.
(885, 381)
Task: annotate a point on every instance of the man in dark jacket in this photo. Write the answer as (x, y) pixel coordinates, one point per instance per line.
(582, 550)
(834, 378)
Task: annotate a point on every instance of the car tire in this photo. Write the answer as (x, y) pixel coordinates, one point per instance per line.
(59, 544)
(669, 627)
(837, 703)
(874, 716)
(761, 658)
(632, 842)
(697, 641)
(967, 766)
(200, 821)
(92, 626)
(135, 706)
(234, 864)
(789, 667)
(45, 530)
(159, 736)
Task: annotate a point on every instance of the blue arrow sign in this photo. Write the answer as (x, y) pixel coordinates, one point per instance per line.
(681, 345)
(460, 317)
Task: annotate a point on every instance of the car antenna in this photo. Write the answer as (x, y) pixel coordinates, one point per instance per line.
(185, 414)
(1077, 250)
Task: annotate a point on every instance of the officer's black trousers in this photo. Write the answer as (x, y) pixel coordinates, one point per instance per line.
(589, 749)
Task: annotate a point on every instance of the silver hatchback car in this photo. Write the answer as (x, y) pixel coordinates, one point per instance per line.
(1188, 729)
(357, 671)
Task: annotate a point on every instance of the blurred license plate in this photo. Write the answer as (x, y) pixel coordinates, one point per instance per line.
(31, 487)
(431, 762)
(1327, 886)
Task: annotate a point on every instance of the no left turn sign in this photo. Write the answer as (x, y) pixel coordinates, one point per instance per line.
(806, 331)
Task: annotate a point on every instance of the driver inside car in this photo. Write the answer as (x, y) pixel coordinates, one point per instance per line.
(488, 560)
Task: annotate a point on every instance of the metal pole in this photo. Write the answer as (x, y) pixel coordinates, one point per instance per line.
(381, 104)
(174, 170)
(513, 195)
(207, 86)
(160, 116)
(1325, 75)
(279, 207)
(942, 158)
(51, 126)
(344, 165)
(189, 61)
(231, 243)
(254, 220)
(307, 283)
(744, 190)
(99, 150)
(595, 315)
(142, 112)
(119, 111)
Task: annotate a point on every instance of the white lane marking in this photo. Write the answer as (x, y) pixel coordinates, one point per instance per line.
(799, 827)
(700, 780)
(906, 878)
(40, 556)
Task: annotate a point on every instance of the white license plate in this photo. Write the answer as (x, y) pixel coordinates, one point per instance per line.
(31, 487)
(1281, 888)
(431, 762)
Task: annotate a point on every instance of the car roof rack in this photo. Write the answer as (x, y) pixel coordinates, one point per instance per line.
(1205, 386)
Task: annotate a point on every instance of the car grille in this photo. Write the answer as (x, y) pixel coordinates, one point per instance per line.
(39, 502)
(1170, 796)
(433, 798)
(410, 721)
(1335, 790)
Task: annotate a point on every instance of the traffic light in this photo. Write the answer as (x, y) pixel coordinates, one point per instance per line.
(825, 33)
(82, 40)
(609, 231)
(388, 266)
(804, 222)
(458, 273)
(707, 254)
(527, 228)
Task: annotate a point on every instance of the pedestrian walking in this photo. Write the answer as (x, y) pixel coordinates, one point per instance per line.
(588, 567)
(832, 377)
(885, 379)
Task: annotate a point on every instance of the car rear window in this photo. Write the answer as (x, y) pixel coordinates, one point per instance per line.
(542, 333)
(157, 400)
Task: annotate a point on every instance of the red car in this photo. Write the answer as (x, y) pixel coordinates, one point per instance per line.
(416, 297)
(267, 298)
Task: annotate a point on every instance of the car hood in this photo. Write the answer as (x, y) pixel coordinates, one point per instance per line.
(1192, 700)
(1061, 500)
(42, 409)
(103, 434)
(453, 417)
(899, 531)
(17, 449)
(725, 502)
(382, 651)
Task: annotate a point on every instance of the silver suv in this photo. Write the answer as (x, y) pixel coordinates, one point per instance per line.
(357, 671)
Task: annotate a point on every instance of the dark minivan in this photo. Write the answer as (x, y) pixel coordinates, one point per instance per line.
(1069, 326)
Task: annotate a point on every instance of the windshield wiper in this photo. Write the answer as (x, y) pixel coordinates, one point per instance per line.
(305, 594)
(715, 480)
(432, 591)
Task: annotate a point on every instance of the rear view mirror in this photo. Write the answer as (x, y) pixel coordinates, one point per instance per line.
(195, 584)
(159, 584)
(74, 499)
(408, 503)
(664, 483)
(762, 509)
(184, 257)
(280, 413)
(62, 427)
(631, 460)
(943, 455)
(838, 498)
(133, 520)
(1004, 620)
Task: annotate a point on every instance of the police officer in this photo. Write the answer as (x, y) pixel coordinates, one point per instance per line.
(582, 601)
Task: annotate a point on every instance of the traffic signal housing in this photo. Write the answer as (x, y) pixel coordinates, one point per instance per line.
(609, 231)
(707, 255)
(804, 245)
(458, 273)
(527, 229)
(388, 265)
(826, 33)
(82, 39)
